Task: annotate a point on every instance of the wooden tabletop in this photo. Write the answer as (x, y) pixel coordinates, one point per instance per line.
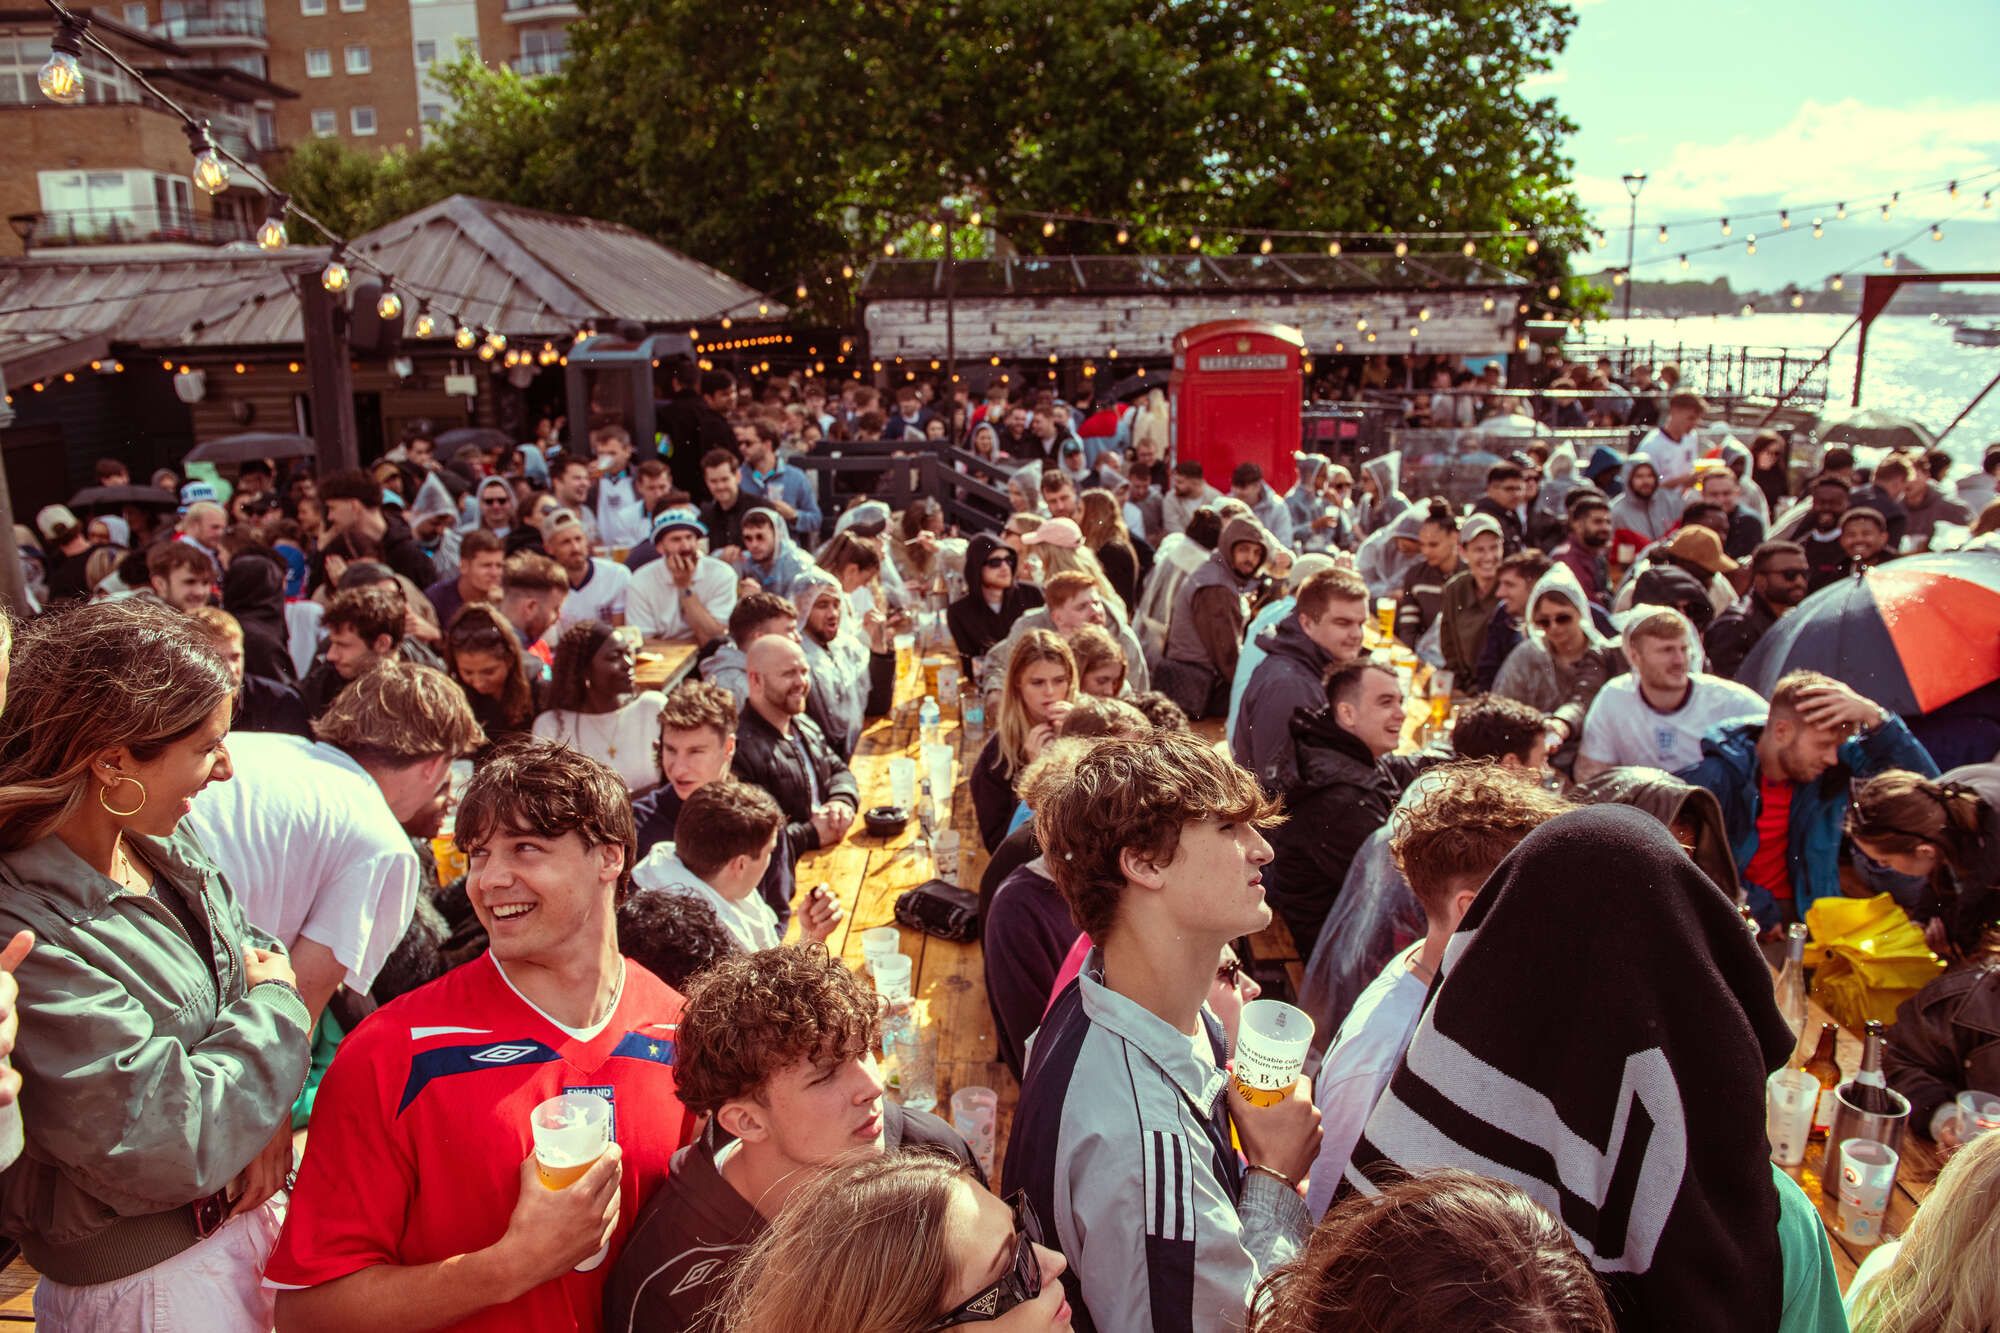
(662, 663)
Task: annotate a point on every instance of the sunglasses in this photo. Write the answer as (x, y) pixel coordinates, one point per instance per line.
(1017, 1286)
(1550, 622)
(996, 561)
(1786, 574)
(1228, 973)
(496, 502)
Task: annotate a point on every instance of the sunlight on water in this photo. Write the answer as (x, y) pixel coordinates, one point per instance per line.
(1914, 368)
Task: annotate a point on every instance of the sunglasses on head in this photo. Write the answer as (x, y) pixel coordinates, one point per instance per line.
(1017, 1286)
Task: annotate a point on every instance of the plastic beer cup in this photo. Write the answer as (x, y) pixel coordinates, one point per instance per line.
(880, 943)
(1271, 1042)
(571, 1132)
(1385, 616)
(973, 1114)
(1867, 1174)
(1790, 1096)
(1978, 1113)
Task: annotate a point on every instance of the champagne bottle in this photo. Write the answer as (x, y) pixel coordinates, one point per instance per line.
(1791, 989)
(1870, 1091)
(1824, 1066)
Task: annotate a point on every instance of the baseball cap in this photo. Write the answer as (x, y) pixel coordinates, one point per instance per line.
(1479, 525)
(56, 522)
(680, 516)
(195, 492)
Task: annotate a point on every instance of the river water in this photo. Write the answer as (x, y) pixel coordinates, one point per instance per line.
(1914, 368)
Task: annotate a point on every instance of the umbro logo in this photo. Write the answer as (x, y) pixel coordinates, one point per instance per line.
(504, 1054)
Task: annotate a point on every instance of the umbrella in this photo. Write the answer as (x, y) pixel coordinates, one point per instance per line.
(257, 444)
(1873, 427)
(1133, 387)
(481, 437)
(148, 497)
(1912, 634)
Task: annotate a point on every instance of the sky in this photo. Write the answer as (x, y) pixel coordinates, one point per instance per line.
(1733, 109)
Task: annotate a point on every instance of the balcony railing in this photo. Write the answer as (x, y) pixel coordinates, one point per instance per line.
(225, 25)
(123, 226)
(541, 62)
(519, 9)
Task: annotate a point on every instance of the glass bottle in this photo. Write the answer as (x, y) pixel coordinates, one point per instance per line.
(1824, 1066)
(1870, 1091)
(1791, 987)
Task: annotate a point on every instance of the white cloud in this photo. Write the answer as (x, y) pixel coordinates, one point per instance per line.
(1846, 149)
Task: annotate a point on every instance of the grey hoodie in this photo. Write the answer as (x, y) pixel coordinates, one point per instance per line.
(1387, 474)
(1651, 518)
(1193, 634)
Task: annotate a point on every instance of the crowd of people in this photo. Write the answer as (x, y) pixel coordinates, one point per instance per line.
(337, 805)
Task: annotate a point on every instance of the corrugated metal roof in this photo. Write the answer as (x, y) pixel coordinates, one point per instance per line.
(526, 273)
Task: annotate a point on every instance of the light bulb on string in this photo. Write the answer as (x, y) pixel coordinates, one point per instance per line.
(463, 337)
(1684, 263)
(1784, 220)
(847, 270)
(1123, 236)
(975, 217)
(1413, 330)
(1885, 209)
(1819, 228)
(61, 77)
(1747, 310)
(889, 249)
(937, 229)
(1361, 323)
(1887, 262)
(1333, 249)
(210, 173)
(1840, 212)
(389, 305)
(487, 352)
(1402, 248)
(1468, 249)
(271, 234)
(800, 291)
(1986, 199)
(1048, 228)
(1194, 241)
(763, 308)
(1487, 305)
(1618, 278)
(425, 326)
(1837, 282)
(1750, 246)
(1534, 245)
(1937, 232)
(1798, 300)
(1663, 236)
(1424, 313)
(1952, 189)
(497, 341)
(334, 276)
(1555, 291)
(1264, 246)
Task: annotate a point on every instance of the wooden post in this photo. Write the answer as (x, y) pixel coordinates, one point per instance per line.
(329, 381)
(13, 579)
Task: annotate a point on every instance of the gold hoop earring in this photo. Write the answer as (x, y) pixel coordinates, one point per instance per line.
(104, 797)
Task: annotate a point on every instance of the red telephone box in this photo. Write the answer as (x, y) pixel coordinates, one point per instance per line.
(1235, 397)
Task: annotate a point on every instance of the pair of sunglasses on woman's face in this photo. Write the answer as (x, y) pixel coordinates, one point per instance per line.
(1017, 1286)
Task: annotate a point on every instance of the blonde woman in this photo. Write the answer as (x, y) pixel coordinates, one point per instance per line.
(1945, 1272)
(1058, 546)
(1039, 691)
(899, 1243)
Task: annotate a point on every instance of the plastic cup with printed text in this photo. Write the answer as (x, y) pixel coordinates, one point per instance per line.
(974, 1114)
(571, 1132)
(1978, 1113)
(1790, 1096)
(1867, 1174)
(880, 943)
(1271, 1042)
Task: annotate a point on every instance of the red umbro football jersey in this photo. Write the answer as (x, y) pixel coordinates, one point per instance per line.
(421, 1125)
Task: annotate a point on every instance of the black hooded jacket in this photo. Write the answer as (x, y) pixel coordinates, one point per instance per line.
(975, 625)
(253, 590)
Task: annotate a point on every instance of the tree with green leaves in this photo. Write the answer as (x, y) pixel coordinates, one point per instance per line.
(786, 142)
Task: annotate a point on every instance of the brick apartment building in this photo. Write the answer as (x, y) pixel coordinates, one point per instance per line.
(114, 167)
(360, 65)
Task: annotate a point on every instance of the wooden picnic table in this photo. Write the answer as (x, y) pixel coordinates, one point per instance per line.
(662, 663)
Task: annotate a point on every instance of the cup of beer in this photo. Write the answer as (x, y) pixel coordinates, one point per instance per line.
(1271, 1042)
(1385, 615)
(571, 1132)
(887, 941)
(1867, 1174)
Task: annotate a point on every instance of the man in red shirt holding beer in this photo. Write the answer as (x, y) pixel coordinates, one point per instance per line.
(418, 1205)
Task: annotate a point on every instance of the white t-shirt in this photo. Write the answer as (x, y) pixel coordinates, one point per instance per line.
(619, 513)
(625, 740)
(653, 603)
(1622, 728)
(601, 597)
(1673, 458)
(750, 920)
(310, 848)
(1372, 1039)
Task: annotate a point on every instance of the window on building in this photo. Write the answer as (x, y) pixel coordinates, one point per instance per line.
(427, 52)
(361, 120)
(353, 6)
(325, 122)
(312, 8)
(135, 16)
(319, 62)
(358, 60)
(267, 128)
(432, 113)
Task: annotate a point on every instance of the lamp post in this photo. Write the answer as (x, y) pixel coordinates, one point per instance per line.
(1635, 181)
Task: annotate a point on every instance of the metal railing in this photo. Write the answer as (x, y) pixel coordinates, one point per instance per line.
(520, 6)
(123, 226)
(879, 472)
(540, 62)
(226, 24)
(1717, 372)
